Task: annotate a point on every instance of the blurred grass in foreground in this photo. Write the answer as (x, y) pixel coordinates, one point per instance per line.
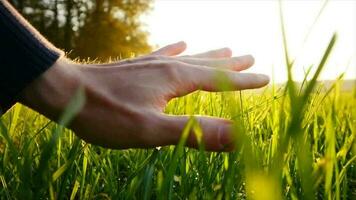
(293, 142)
(261, 168)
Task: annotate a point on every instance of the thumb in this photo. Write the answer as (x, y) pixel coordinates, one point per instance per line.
(216, 132)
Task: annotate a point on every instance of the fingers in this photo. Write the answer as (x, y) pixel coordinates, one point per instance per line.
(235, 81)
(171, 50)
(217, 53)
(235, 63)
(216, 132)
(179, 47)
(219, 58)
(193, 78)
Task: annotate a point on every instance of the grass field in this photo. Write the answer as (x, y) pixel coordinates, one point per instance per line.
(292, 143)
(318, 161)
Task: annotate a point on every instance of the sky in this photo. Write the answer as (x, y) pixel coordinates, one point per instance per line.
(253, 27)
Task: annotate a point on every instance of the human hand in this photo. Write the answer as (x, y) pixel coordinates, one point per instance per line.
(125, 100)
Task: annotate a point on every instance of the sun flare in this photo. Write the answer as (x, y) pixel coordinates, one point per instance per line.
(253, 27)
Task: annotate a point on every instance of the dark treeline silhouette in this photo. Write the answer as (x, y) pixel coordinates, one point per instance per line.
(96, 29)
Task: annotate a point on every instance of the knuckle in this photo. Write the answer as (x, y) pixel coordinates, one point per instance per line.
(172, 70)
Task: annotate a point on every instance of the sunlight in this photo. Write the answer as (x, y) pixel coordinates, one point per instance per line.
(253, 27)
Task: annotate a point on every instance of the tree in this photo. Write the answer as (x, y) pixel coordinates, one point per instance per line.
(96, 29)
(112, 29)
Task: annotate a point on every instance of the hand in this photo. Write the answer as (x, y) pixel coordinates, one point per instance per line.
(125, 100)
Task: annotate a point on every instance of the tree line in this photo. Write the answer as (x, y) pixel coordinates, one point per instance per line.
(95, 29)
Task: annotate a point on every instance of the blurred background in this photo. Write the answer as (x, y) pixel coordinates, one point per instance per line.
(104, 29)
(95, 29)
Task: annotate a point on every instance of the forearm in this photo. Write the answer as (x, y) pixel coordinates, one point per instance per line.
(24, 55)
(50, 93)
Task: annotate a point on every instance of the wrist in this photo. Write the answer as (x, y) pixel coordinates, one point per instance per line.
(50, 92)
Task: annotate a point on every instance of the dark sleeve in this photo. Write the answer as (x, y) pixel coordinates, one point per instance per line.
(24, 55)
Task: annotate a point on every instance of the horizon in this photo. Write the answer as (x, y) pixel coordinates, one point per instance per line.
(261, 38)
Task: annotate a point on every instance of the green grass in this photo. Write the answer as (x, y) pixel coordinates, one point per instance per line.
(292, 143)
(320, 147)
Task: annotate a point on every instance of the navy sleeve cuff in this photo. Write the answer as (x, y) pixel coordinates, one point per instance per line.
(24, 55)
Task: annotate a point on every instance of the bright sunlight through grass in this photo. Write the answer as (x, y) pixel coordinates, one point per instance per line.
(294, 141)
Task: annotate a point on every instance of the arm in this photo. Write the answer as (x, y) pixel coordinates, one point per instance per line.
(125, 100)
(24, 55)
